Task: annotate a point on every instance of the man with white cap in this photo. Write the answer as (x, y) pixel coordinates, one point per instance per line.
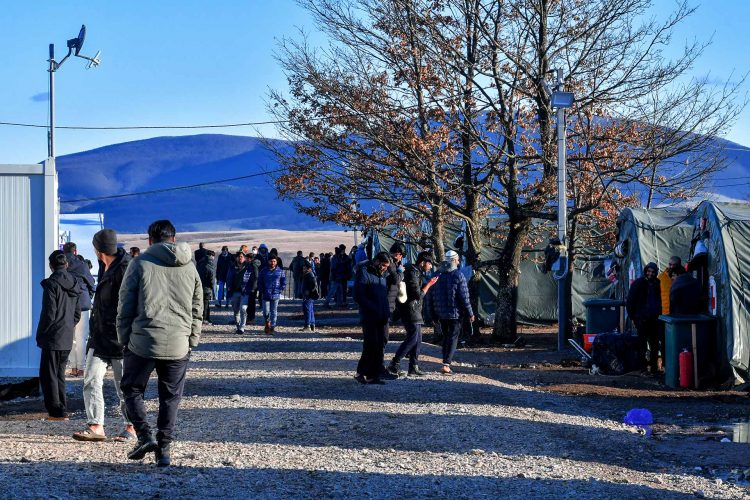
(451, 303)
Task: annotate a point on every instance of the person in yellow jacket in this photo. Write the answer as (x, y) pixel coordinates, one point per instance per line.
(665, 281)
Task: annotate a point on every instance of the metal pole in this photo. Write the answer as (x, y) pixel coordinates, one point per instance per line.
(51, 133)
(562, 223)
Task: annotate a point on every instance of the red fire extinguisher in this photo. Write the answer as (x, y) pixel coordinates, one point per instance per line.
(686, 369)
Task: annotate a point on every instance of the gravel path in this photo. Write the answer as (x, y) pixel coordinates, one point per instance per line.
(282, 417)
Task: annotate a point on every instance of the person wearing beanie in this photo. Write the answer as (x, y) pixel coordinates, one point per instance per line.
(80, 270)
(61, 311)
(450, 303)
(159, 319)
(411, 314)
(644, 307)
(371, 293)
(104, 348)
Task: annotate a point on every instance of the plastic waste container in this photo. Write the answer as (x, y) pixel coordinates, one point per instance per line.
(603, 315)
(697, 335)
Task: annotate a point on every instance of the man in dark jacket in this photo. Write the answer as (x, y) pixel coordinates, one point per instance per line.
(207, 271)
(61, 311)
(411, 314)
(158, 321)
(239, 279)
(200, 253)
(223, 263)
(450, 302)
(297, 267)
(644, 307)
(324, 275)
(344, 270)
(104, 348)
(371, 293)
(310, 294)
(686, 296)
(394, 277)
(271, 284)
(78, 268)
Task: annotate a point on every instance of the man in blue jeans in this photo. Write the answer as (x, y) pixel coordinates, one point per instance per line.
(310, 294)
(410, 312)
(159, 320)
(271, 284)
(450, 303)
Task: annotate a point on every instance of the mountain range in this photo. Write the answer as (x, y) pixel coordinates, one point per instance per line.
(250, 203)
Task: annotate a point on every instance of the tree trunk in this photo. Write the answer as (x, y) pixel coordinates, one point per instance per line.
(473, 253)
(437, 221)
(505, 328)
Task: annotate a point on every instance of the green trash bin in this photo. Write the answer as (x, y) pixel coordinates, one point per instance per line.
(603, 315)
(678, 336)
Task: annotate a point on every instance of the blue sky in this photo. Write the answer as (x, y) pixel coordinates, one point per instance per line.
(196, 62)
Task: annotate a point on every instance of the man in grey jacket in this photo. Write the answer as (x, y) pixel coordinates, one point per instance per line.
(159, 322)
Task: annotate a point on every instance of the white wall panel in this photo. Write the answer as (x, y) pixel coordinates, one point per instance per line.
(18, 352)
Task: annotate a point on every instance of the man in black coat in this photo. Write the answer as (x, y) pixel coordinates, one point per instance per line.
(410, 312)
(104, 348)
(371, 293)
(394, 277)
(207, 272)
(644, 307)
(78, 268)
(223, 263)
(686, 296)
(61, 312)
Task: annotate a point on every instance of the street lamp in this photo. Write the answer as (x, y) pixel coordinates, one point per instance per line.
(74, 47)
(561, 100)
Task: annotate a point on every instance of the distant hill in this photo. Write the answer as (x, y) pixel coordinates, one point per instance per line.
(165, 162)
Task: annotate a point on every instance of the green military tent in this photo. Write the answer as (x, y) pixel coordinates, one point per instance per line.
(537, 291)
(721, 231)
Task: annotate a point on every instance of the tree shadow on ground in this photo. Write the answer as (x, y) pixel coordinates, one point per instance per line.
(54, 478)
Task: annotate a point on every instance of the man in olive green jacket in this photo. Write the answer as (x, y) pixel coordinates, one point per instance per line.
(158, 321)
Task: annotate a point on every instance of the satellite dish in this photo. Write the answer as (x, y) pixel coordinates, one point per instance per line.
(80, 39)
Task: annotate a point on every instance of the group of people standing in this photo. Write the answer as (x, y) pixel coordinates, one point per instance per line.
(674, 291)
(145, 316)
(386, 291)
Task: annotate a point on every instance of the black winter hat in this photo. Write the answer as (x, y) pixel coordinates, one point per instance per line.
(397, 248)
(105, 241)
(57, 260)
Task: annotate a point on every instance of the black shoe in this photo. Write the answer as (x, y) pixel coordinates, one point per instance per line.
(389, 376)
(393, 368)
(312, 328)
(162, 456)
(416, 372)
(143, 446)
(361, 379)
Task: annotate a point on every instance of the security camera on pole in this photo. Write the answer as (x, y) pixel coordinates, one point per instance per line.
(560, 101)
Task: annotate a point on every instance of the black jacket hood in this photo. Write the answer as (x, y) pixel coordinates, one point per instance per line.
(66, 281)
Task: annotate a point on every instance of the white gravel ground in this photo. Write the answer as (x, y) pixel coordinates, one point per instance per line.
(282, 417)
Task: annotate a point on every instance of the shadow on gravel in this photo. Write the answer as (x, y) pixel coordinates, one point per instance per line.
(84, 480)
(458, 433)
(280, 344)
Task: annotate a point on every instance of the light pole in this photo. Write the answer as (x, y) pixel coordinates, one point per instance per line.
(74, 44)
(561, 100)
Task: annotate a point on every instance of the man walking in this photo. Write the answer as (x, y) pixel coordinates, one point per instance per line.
(297, 267)
(78, 268)
(411, 314)
(451, 303)
(271, 284)
(207, 272)
(310, 294)
(61, 312)
(104, 348)
(223, 263)
(644, 307)
(371, 293)
(159, 321)
(238, 278)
